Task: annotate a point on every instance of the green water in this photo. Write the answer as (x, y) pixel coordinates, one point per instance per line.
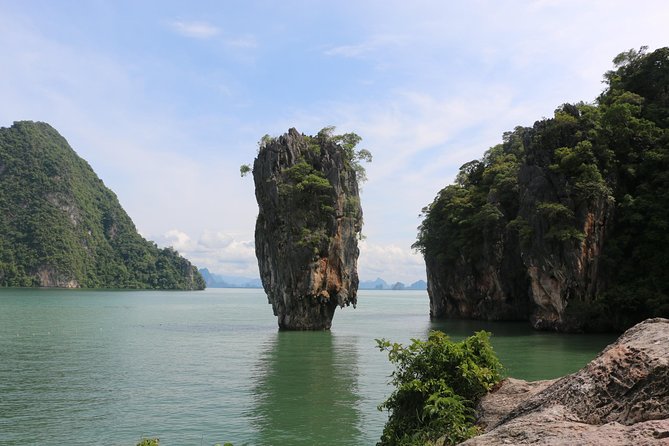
(107, 367)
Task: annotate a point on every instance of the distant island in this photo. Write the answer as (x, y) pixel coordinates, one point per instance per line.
(224, 281)
(380, 284)
(60, 226)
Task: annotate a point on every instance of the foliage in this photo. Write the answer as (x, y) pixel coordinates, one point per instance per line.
(463, 220)
(304, 188)
(310, 196)
(614, 152)
(265, 141)
(148, 442)
(348, 143)
(58, 218)
(438, 383)
(244, 169)
(561, 221)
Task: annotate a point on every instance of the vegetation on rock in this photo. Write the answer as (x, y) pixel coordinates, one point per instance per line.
(577, 206)
(308, 223)
(60, 226)
(438, 383)
(304, 187)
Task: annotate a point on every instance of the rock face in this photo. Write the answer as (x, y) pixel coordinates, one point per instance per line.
(307, 229)
(492, 287)
(620, 398)
(560, 269)
(533, 246)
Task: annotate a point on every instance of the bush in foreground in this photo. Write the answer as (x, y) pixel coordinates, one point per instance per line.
(438, 383)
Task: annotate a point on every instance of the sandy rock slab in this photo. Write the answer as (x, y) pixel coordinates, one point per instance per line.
(619, 398)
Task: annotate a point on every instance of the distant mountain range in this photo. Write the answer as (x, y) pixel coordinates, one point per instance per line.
(223, 281)
(380, 284)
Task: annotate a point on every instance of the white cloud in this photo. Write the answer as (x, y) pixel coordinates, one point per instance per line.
(242, 42)
(207, 31)
(196, 30)
(374, 43)
(233, 254)
(390, 262)
(179, 240)
(220, 252)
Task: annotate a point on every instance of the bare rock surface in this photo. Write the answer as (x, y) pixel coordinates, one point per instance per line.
(619, 398)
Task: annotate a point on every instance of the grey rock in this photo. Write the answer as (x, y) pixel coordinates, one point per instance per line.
(307, 258)
(559, 272)
(619, 398)
(534, 279)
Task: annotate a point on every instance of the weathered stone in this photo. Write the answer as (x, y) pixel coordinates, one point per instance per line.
(559, 271)
(620, 398)
(494, 287)
(540, 278)
(306, 244)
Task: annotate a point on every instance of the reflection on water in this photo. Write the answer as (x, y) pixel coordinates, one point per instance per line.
(306, 392)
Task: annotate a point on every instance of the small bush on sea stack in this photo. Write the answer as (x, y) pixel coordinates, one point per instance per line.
(438, 383)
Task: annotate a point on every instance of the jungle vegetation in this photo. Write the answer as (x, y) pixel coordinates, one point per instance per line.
(58, 219)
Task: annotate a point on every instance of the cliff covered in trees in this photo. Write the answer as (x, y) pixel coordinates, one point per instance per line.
(308, 224)
(61, 227)
(565, 223)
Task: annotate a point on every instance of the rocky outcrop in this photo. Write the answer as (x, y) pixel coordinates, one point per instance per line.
(492, 287)
(49, 278)
(541, 253)
(620, 398)
(563, 223)
(562, 251)
(308, 224)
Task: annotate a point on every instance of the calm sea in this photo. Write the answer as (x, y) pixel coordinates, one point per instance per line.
(199, 368)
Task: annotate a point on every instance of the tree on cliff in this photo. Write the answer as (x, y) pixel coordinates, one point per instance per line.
(573, 211)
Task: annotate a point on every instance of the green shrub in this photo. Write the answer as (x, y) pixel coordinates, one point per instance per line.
(438, 383)
(148, 442)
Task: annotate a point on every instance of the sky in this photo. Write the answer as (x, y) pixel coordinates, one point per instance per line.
(166, 99)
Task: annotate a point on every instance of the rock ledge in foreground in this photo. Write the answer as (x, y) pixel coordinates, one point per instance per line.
(620, 398)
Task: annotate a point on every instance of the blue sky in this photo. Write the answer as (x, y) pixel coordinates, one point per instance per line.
(166, 99)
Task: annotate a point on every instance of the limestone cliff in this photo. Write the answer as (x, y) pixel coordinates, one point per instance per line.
(565, 222)
(309, 219)
(565, 233)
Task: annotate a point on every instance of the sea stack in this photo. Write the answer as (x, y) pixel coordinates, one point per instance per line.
(308, 225)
